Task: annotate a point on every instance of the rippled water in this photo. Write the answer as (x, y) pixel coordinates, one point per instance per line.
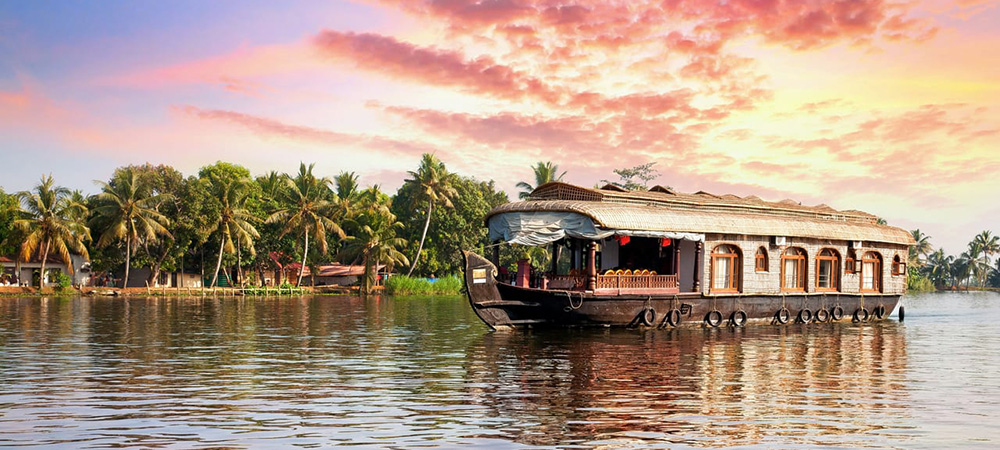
(405, 373)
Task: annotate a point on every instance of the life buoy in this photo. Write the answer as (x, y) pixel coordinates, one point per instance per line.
(822, 315)
(713, 318)
(738, 318)
(782, 316)
(805, 316)
(860, 315)
(648, 317)
(674, 317)
(837, 313)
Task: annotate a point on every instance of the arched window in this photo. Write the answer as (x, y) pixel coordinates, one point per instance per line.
(871, 272)
(851, 264)
(828, 270)
(793, 269)
(726, 263)
(760, 264)
(898, 266)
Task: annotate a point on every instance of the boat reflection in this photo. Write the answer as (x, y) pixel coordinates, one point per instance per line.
(836, 384)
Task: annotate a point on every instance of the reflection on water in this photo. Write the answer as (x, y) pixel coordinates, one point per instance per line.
(326, 371)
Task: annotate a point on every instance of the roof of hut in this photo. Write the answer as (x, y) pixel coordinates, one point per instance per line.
(666, 210)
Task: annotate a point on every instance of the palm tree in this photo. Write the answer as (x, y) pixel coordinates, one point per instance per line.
(545, 172)
(50, 224)
(921, 247)
(990, 245)
(434, 184)
(234, 222)
(938, 267)
(375, 242)
(126, 211)
(310, 208)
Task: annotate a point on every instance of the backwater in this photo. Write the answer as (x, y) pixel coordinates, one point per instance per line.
(319, 372)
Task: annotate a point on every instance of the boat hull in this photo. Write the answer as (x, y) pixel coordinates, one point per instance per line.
(501, 305)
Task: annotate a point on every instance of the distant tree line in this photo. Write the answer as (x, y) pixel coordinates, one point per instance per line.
(228, 225)
(975, 267)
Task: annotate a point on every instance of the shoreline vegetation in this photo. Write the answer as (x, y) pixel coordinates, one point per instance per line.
(223, 227)
(226, 228)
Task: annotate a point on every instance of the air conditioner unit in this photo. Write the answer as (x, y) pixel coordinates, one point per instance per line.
(779, 241)
(855, 244)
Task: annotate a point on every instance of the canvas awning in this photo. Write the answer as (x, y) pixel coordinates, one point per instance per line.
(539, 228)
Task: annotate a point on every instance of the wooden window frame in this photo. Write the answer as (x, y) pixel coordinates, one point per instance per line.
(834, 258)
(898, 266)
(801, 258)
(877, 276)
(735, 263)
(760, 260)
(851, 262)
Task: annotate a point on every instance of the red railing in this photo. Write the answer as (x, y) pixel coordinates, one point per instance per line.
(637, 282)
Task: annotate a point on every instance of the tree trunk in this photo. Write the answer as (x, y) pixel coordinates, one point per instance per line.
(305, 251)
(218, 264)
(128, 261)
(41, 274)
(430, 209)
(154, 272)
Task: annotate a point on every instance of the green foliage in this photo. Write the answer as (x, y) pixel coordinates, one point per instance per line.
(50, 224)
(404, 285)
(635, 178)
(545, 172)
(8, 213)
(917, 282)
(63, 281)
(374, 241)
(430, 185)
(455, 229)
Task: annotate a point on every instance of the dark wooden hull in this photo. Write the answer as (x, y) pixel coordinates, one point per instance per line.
(501, 305)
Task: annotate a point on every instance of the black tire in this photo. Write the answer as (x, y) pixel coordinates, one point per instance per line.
(837, 313)
(822, 315)
(860, 315)
(782, 316)
(674, 317)
(648, 317)
(738, 318)
(714, 318)
(879, 312)
(805, 316)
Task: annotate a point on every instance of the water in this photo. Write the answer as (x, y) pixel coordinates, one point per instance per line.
(405, 373)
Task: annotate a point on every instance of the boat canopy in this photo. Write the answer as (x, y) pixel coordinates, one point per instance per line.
(538, 228)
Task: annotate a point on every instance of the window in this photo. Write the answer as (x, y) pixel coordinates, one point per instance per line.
(761, 260)
(871, 272)
(793, 270)
(850, 264)
(828, 270)
(725, 268)
(898, 266)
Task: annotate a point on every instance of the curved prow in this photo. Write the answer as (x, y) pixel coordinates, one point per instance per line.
(481, 286)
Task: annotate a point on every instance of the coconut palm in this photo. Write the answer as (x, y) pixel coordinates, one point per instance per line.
(545, 172)
(938, 267)
(50, 223)
(234, 221)
(920, 248)
(310, 208)
(125, 211)
(375, 242)
(433, 184)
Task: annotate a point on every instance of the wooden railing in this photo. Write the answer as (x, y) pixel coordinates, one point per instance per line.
(579, 282)
(637, 282)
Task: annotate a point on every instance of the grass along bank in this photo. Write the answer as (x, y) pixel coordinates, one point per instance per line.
(404, 285)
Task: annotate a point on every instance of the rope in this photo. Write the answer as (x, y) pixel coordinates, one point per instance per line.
(571, 307)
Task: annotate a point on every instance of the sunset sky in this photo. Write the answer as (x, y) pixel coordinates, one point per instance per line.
(887, 107)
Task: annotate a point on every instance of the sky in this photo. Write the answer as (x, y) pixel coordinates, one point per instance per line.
(890, 107)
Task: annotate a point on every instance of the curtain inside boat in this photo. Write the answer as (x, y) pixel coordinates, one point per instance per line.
(538, 228)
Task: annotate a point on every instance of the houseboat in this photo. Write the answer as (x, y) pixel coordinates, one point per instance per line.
(661, 258)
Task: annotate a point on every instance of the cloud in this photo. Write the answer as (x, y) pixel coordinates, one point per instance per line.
(274, 129)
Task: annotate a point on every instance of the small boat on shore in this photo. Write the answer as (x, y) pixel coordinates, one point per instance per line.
(660, 258)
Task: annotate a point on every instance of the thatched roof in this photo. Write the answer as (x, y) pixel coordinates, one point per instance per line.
(661, 209)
